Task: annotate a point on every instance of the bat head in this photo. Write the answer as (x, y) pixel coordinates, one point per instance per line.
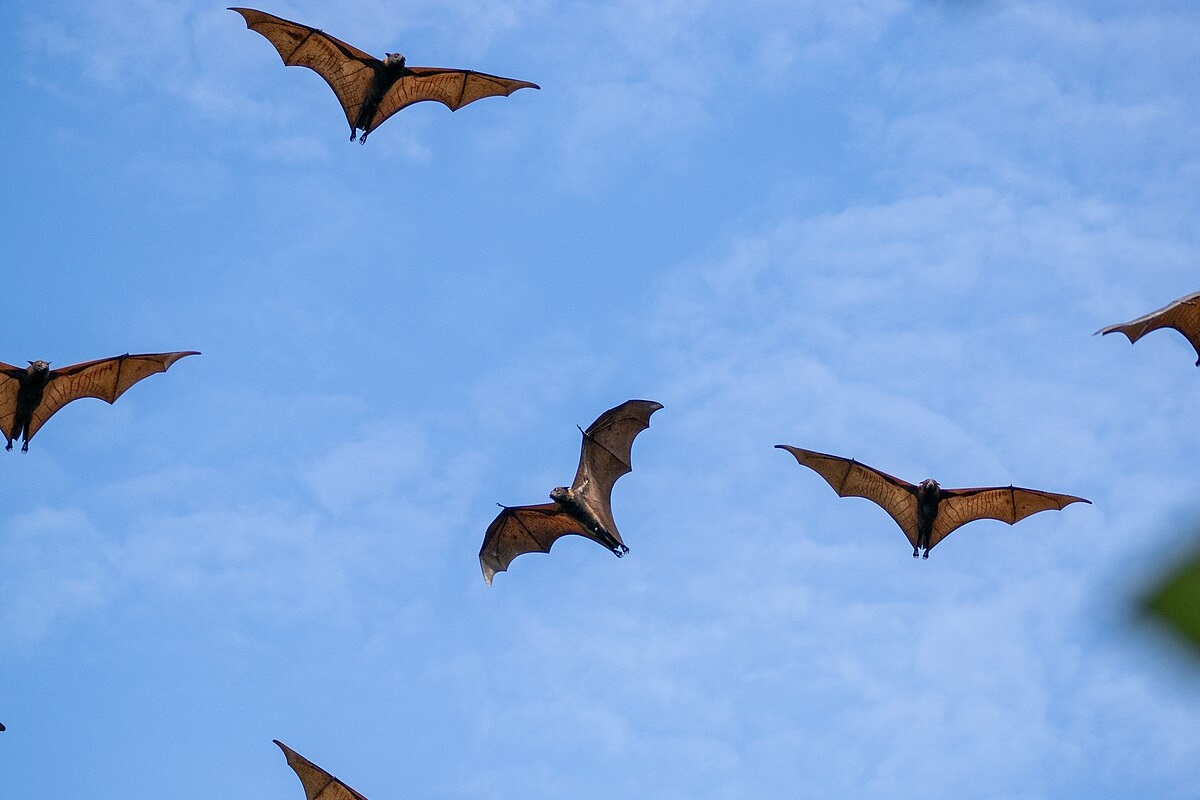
(928, 487)
(39, 366)
(394, 59)
(559, 494)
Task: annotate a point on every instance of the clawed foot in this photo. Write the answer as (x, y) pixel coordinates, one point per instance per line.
(9, 446)
(925, 554)
(914, 552)
(24, 447)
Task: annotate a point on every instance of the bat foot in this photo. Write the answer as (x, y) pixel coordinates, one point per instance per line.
(9, 447)
(620, 550)
(925, 554)
(24, 447)
(914, 553)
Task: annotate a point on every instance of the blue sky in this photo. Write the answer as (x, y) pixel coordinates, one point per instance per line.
(881, 229)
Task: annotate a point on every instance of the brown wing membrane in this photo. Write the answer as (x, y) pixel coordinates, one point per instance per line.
(1006, 503)
(524, 529)
(1183, 315)
(348, 70)
(849, 478)
(454, 88)
(607, 455)
(10, 384)
(105, 378)
(318, 784)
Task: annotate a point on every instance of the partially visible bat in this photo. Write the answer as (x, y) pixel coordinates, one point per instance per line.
(371, 90)
(927, 513)
(1183, 315)
(2, 726)
(318, 784)
(30, 396)
(585, 508)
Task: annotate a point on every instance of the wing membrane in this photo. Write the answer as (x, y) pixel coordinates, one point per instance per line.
(348, 70)
(453, 88)
(849, 478)
(524, 529)
(105, 379)
(318, 784)
(607, 454)
(1183, 315)
(1009, 504)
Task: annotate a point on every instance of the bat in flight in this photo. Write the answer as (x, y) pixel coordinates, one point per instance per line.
(1183, 315)
(585, 507)
(371, 90)
(318, 784)
(30, 396)
(927, 513)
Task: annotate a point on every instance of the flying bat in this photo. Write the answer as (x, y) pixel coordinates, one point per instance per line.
(371, 90)
(1183, 315)
(30, 396)
(317, 783)
(927, 513)
(584, 508)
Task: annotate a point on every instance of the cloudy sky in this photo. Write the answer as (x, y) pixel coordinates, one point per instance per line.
(885, 229)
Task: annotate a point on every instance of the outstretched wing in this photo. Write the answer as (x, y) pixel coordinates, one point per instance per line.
(1183, 315)
(105, 378)
(525, 529)
(348, 70)
(849, 478)
(454, 88)
(318, 784)
(1006, 503)
(606, 455)
(10, 384)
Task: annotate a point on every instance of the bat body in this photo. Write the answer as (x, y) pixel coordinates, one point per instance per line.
(318, 784)
(30, 396)
(583, 508)
(1183, 315)
(926, 512)
(369, 89)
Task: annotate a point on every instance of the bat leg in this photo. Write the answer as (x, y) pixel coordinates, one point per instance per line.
(914, 552)
(926, 553)
(9, 446)
(24, 446)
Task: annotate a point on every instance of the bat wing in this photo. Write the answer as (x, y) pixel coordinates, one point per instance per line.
(318, 784)
(606, 455)
(10, 384)
(525, 529)
(454, 88)
(849, 478)
(348, 70)
(105, 378)
(1006, 503)
(1183, 315)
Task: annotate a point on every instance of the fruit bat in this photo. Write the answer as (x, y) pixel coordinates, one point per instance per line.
(317, 783)
(30, 396)
(371, 90)
(927, 513)
(1183, 315)
(585, 508)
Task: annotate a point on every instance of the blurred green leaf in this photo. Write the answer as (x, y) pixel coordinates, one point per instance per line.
(1176, 601)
